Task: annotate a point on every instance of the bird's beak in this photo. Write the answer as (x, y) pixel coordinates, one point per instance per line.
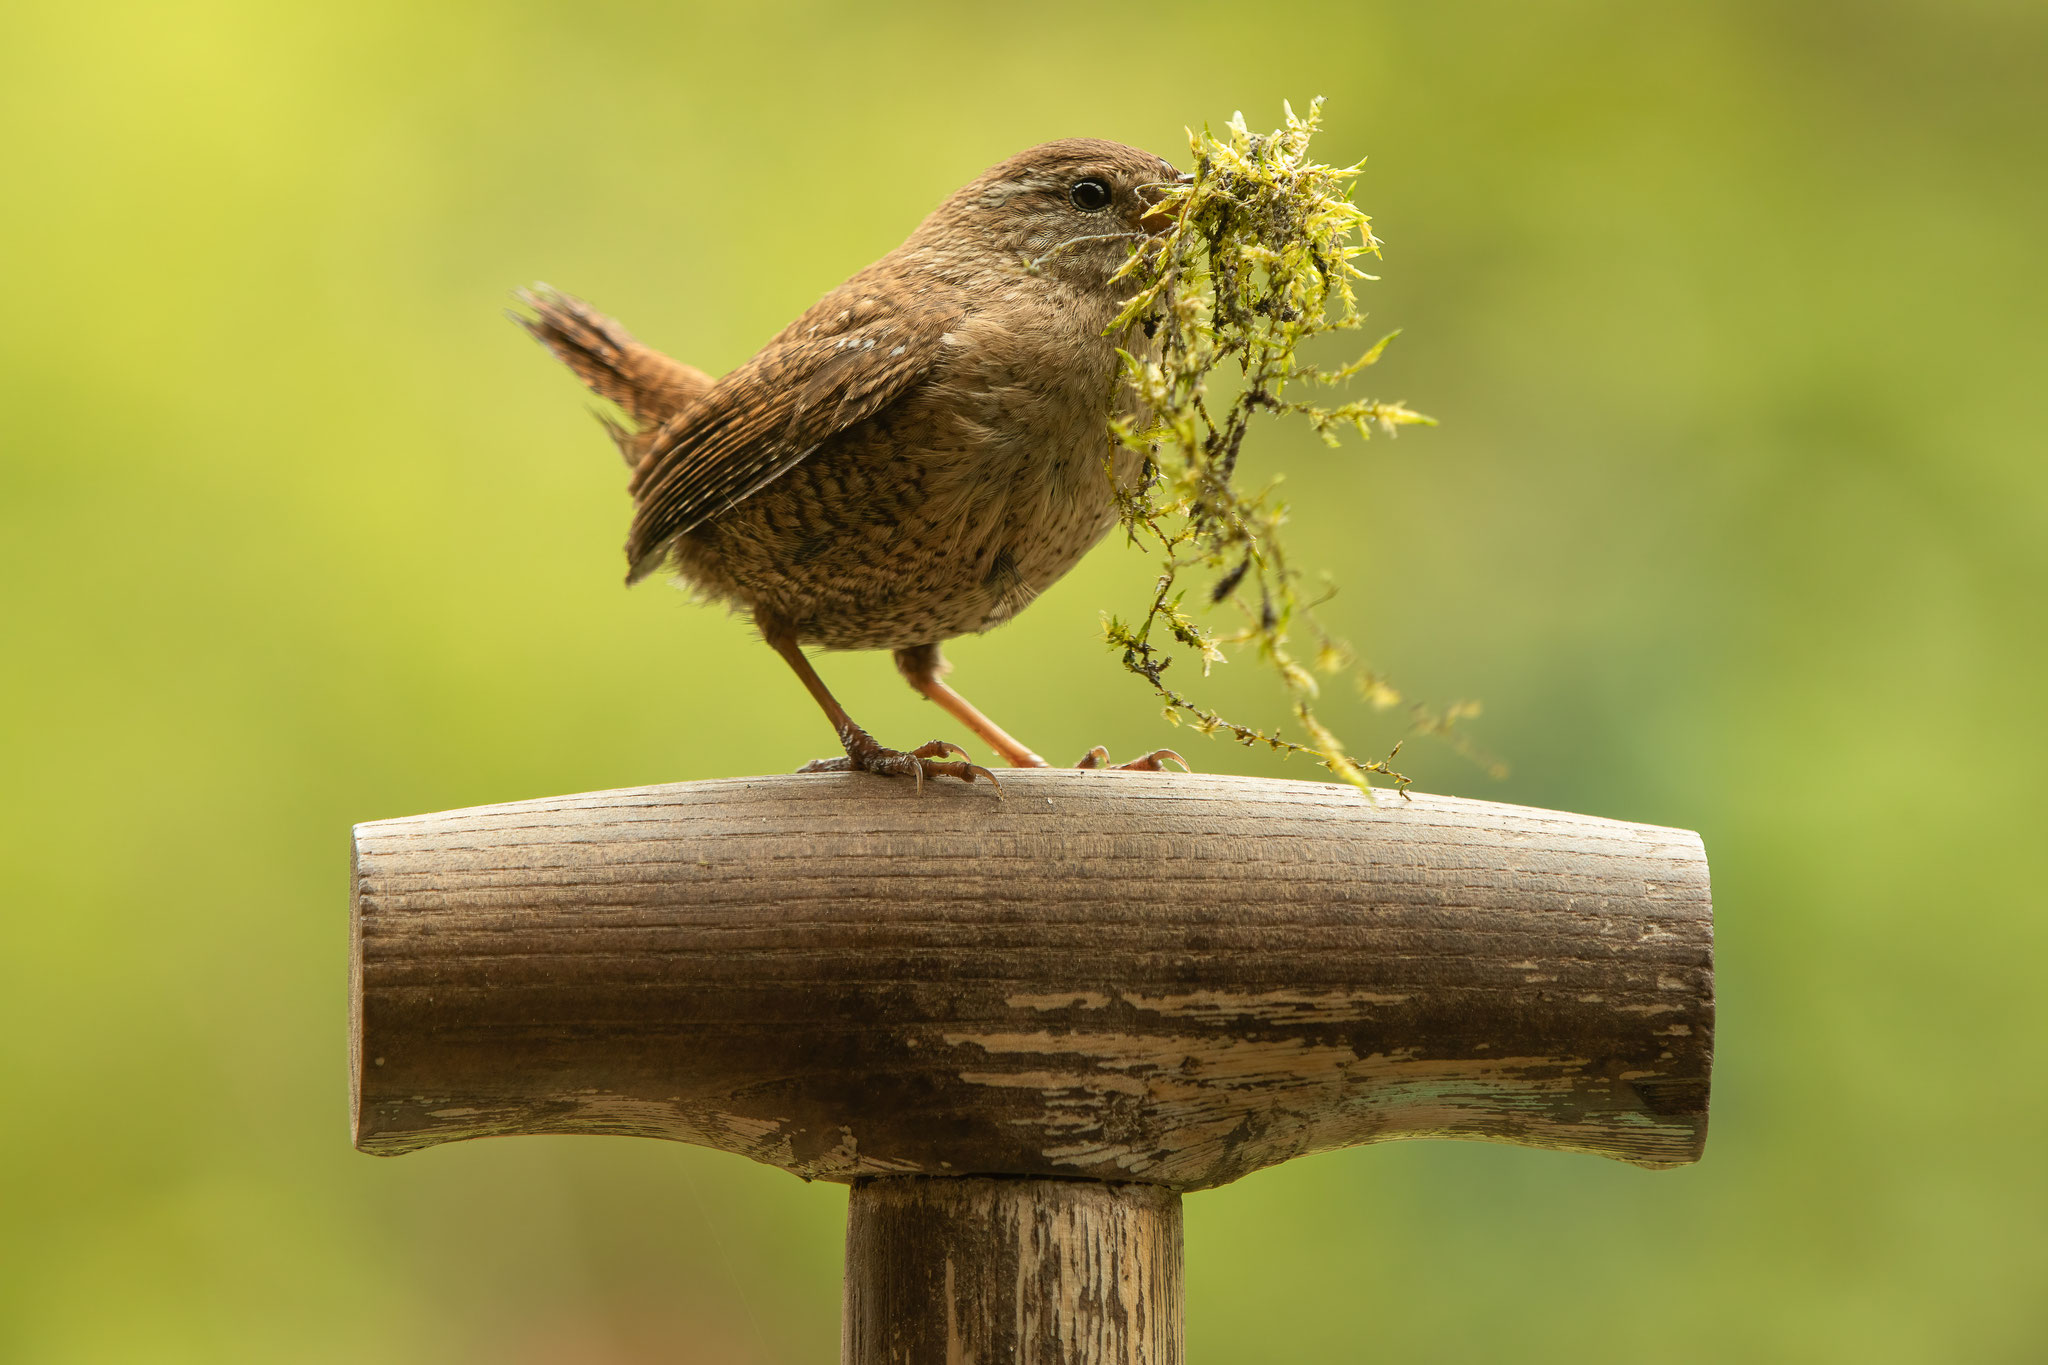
(1160, 219)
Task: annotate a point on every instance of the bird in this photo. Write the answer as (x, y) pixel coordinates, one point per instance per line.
(914, 458)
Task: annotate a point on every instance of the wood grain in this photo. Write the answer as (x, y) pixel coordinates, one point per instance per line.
(1118, 976)
(1041, 1272)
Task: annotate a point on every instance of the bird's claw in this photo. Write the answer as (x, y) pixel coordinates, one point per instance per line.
(917, 765)
(1154, 762)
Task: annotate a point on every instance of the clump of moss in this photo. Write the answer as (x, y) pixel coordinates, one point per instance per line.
(1262, 257)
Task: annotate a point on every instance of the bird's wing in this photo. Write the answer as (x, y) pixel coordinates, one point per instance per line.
(840, 364)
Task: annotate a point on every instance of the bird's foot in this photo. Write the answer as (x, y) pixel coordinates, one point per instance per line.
(863, 755)
(1154, 762)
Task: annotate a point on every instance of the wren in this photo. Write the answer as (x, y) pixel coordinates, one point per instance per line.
(914, 458)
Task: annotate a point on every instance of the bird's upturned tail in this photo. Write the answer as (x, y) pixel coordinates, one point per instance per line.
(650, 386)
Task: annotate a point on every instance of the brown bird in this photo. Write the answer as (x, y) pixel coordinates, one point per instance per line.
(914, 458)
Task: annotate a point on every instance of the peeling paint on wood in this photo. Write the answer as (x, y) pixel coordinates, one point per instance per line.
(1176, 979)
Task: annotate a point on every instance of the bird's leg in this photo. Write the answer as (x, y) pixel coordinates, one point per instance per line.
(863, 754)
(922, 668)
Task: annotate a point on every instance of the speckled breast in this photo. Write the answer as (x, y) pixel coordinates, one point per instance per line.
(947, 512)
(877, 542)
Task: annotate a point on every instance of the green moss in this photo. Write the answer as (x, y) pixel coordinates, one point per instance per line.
(1262, 256)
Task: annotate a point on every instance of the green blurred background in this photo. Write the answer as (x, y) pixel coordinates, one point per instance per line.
(1733, 314)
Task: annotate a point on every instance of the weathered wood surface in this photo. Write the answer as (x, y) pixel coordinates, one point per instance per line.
(1122, 976)
(1040, 1272)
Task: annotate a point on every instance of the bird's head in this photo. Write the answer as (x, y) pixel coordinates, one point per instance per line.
(1070, 209)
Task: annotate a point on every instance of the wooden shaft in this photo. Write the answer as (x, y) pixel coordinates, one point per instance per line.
(1104, 975)
(1036, 1272)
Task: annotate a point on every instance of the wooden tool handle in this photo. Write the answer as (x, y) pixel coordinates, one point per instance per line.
(1033, 1271)
(1118, 976)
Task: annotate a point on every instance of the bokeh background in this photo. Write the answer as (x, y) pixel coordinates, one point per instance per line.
(1737, 520)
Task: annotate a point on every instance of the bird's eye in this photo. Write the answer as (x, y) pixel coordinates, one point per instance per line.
(1090, 195)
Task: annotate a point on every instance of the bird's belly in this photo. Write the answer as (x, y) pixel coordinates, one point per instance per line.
(861, 547)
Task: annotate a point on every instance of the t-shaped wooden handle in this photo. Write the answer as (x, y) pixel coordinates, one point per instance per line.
(1163, 981)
